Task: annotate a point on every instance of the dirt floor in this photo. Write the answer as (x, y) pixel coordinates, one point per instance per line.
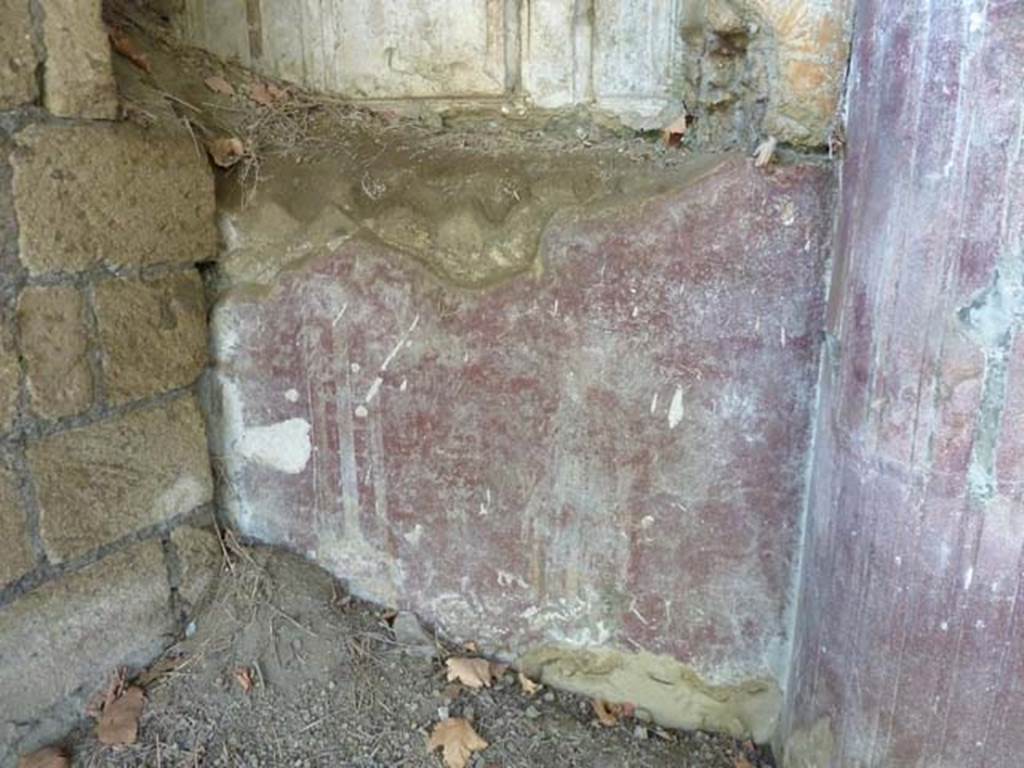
(338, 682)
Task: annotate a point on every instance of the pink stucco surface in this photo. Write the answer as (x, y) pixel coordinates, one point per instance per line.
(610, 452)
(909, 642)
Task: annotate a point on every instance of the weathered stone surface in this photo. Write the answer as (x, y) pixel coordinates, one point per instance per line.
(366, 48)
(531, 463)
(61, 643)
(152, 334)
(17, 54)
(741, 66)
(10, 378)
(96, 484)
(79, 77)
(115, 195)
(909, 649)
(200, 561)
(55, 344)
(15, 551)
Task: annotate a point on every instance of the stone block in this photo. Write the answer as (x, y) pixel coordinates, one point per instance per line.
(10, 378)
(110, 195)
(17, 54)
(152, 334)
(200, 561)
(15, 551)
(98, 483)
(79, 76)
(62, 643)
(55, 345)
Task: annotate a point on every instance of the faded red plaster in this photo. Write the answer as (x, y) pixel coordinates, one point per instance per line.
(512, 477)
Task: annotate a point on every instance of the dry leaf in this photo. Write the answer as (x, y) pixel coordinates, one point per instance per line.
(471, 647)
(742, 762)
(764, 152)
(128, 48)
(119, 722)
(456, 737)
(47, 757)
(609, 714)
(226, 150)
(266, 94)
(244, 677)
(473, 673)
(218, 84)
(673, 133)
(529, 687)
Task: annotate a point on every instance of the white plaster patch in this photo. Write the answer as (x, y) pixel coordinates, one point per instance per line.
(284, 446)
(675, 409)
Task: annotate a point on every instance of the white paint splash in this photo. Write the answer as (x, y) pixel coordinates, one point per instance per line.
(675, 409)
(284, 446)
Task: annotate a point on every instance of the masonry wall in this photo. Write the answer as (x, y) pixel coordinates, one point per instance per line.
(909, 648)
(103, 454)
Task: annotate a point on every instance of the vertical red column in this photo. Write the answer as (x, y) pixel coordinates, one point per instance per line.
(909, 644)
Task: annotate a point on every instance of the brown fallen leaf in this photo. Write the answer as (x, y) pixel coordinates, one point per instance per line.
(765, 151)
(128, 48)
(118, 725)
(47, 757)
(244, 677)
(266, 94)
(159, 670)
(218, 84)
(673, 133)
(742, 762)
(457, 740)
(609, 714)
(473, 673)
(529, 687)
(225, 151)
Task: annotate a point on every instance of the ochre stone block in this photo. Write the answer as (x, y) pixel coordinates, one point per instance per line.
(153, 334)
(17, 54)
(60, 644)
(15, 552)
(78, 73)
(200, 559)
(110, 195)
(54, 344)
(99, 483)
(10, 376)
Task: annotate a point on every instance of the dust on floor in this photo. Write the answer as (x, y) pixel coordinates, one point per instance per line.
(338, 682)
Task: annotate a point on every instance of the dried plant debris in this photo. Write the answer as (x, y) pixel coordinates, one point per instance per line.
(473, 673)
(118, 723)
(47, 757)
(457, 741)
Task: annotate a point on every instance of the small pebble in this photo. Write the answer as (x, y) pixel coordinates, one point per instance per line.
(548, 697)
(532, 712)
(640, 732)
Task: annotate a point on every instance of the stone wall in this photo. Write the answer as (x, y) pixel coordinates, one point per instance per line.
(102, 336)
(743, 68)
(909, 648)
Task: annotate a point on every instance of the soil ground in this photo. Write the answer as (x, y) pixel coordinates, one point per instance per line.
(333, 686)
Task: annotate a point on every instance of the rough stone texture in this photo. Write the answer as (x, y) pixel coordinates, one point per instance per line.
(60, 643)
(200, 560)
(101, 194)
(17, 553)
(54, 344)
(98, 483)
(772, 65)
(531, 463)
(78, 74)
(17, 54)
(10, 376)
(152, 334)
(909, 649)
